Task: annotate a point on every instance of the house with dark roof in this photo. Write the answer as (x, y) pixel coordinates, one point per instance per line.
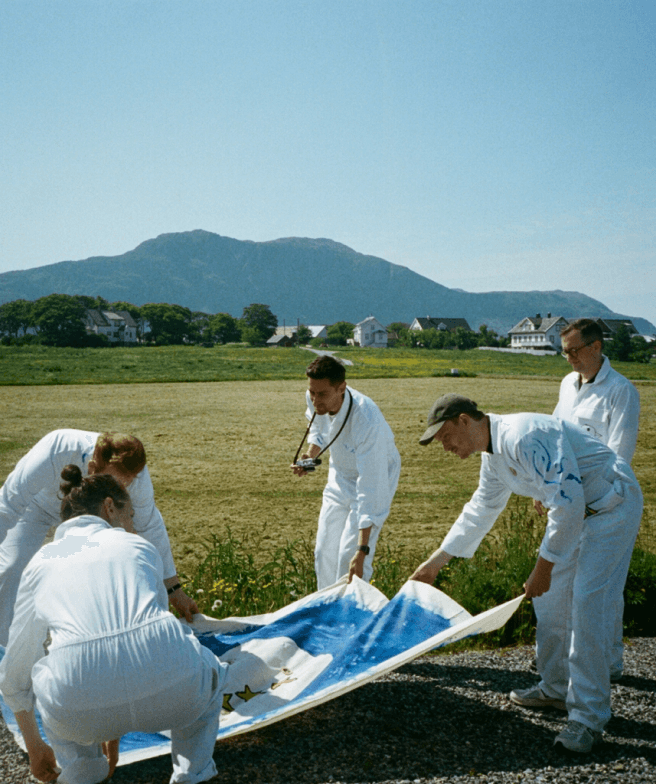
(282, 340)
(610, 326)
(432, 322)
(117, 326)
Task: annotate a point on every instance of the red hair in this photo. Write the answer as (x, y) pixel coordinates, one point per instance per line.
(126, 453)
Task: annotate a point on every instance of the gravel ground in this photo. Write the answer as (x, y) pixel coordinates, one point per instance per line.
(440, 719)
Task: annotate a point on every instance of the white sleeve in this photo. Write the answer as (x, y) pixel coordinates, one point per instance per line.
(40, 468)
(623, 425)
(373, 482)
(478, 515)
(148, 520)
(27, 635)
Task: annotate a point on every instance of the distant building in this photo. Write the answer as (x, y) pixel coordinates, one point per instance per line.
(370, 332)
(431, 322)
(610, 326)
(117, 326)
(538, 332)
(281, 341)
(317, 330)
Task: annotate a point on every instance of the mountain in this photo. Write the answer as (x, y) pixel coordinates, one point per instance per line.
(317, 281)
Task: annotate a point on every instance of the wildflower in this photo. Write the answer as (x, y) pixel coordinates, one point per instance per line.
(216, 605)
(200, 590)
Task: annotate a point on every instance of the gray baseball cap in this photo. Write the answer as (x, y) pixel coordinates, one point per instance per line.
(446, 407)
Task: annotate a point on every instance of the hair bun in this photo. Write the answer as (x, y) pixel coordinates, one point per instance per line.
(72, 476)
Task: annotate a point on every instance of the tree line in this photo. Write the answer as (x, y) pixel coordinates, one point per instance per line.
(57, 320)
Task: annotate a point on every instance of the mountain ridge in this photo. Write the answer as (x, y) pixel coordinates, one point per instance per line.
(312, 280)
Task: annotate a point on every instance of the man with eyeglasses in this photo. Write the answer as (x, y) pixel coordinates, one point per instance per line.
(594, 396)
(607, 406)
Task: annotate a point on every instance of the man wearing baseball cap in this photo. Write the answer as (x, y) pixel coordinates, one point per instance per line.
(594, 507)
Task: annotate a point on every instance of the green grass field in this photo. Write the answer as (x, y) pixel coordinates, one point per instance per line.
(31, 365)
(219, 452)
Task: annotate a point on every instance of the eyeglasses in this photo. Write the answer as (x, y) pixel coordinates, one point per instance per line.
(574, 352)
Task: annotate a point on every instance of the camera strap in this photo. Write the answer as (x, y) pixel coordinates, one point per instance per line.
(298, 451)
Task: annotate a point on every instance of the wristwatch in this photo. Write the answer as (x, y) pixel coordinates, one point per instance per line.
(363, 548)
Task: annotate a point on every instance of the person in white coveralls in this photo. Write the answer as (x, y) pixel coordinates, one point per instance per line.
(29, 505)
(362, 476)
(594, 507)
(607, 405)
(117, 660)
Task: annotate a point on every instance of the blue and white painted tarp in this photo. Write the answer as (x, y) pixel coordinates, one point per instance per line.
(316, 649)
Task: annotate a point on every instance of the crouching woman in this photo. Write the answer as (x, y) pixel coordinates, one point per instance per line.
(117, 660)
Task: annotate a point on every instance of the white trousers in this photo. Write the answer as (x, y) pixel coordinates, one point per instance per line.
(337, 538)
(577, 616)
(154, 680)
(17, 547)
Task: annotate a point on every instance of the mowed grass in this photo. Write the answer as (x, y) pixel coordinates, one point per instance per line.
(29, 365)
(219, 452)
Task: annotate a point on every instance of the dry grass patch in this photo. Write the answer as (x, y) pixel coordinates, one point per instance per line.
(219, 452)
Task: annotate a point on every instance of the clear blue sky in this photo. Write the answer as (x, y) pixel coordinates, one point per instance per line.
(486, 145)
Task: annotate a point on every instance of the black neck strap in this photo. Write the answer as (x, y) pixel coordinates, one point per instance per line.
(350, 406)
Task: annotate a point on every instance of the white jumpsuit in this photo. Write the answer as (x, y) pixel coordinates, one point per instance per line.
(608, 409)
(362, 478)
(30, 505)
(571, 473)
(118, 661)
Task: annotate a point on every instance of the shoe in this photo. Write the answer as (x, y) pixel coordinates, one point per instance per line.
(535, 698)
(578, 737)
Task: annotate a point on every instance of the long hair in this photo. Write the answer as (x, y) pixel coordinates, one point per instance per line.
(85, 495)
(126, 453)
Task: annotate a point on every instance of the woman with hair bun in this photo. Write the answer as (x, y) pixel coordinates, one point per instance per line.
(117, 660)
(29, 505)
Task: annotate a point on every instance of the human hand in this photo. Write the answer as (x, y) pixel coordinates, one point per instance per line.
(184, 604)
(43, 764)
(425, 573)
(356, 565)
(539, 581)
(297, 469)
(110, 750)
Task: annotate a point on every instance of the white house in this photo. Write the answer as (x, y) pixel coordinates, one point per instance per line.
(370, 332)
(538, 332)
(116, 326)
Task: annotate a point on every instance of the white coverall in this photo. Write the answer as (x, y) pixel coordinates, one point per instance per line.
(567, 470)
(362, 478)
(30, 505)
(118, 661)
(608, 408)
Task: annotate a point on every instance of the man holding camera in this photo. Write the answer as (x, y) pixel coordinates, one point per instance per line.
(362, 476)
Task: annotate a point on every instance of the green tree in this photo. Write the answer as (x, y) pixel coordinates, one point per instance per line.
(619, 346)
(16, 316)
(464, 338)
(169, 324)
(257, 323)
(487, 336)
(396, 326)
(641, 351)
(58, 318)
(223, 328)
(339, 333)
(303, 334)
(92, 303)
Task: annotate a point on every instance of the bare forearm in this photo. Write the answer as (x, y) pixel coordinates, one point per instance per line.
(428, 571)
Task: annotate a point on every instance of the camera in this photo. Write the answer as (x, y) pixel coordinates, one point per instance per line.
(309, 464)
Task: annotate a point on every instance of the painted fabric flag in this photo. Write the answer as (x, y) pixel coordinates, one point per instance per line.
(315, 650)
